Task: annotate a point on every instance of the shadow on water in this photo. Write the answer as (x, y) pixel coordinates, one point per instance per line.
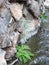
(39, 45)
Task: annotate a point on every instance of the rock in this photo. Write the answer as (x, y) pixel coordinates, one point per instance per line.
(1, 40)
(12, 1)
(29, 28)
(6, 42)
(33, 7)
(5, 14)
(46, 3)
(27, 14)
(14, 36)
(16, 11)
(2, 25)
(2, 57)
(5, 17)
(1, 2)
(41, 5)
(9, 25)
(10, 52)
(12, 25)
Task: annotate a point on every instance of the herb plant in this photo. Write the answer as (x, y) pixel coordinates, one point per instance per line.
(44, 16)
(23, 53)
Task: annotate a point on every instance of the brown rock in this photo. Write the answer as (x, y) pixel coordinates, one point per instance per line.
(14, 36)
(34, 8)
(2, 57)
(10, 52)
(2, 2)
(29, 28)
(6, 41)
(16, 11)
(27, 14)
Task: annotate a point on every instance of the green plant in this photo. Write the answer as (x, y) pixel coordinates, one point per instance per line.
(44, 16)
(23, 53)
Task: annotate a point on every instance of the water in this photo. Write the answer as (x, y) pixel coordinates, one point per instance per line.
(39, 45)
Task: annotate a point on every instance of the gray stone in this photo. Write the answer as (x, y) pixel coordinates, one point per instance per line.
(10, 52)
(33, 7)
(2, 57)
(14, 36)
(5, 17)
(29, 28)
(46, 3)
(27, 14)
(1, 2)
(6, 42)
(41, 5)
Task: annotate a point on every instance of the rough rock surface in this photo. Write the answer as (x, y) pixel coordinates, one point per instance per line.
(46, 3)
(4, 19)
(14, 36)
(1, 2)
(27, 14)
(10, 52)
(8, 37)
(2, 57)
(16, 11)
(34, 8)
(17, 23)
(28, 28)
(6, 42)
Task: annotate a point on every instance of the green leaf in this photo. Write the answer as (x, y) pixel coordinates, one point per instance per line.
(31, 54)
(25, 47)
(44, 16)
(23, 53)
(25, 59)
